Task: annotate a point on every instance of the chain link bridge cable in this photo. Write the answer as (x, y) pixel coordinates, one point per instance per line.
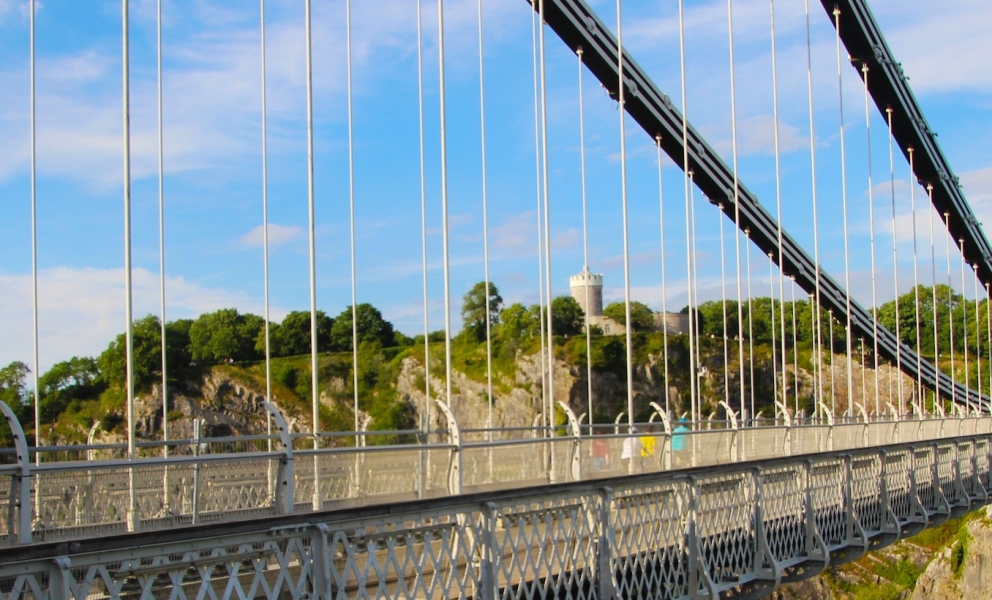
(423, 217)
(950, 302)
(795, 347)
(847, 254)
(694, 309)
(737, 205)
(161, 228)
(547, 218)
(933, 291)
(132, 510)
(540, 220)
(833, 380)
(351, 217)
(314, 367)
(815, 315)
(723, 295)
(128, 289)
(978, 337)
(871, 238)
(265, 232)
(916, 283)
(778, 204)
(485, 222)
(688, 234)
(626, 245)
(988, 324)
(664, 283)
(36, 393)
(443, 109)
(895, 263)
(585, 241)
(314, 380)
(864, 375)
(771, 306)
(750, 319)
(964, 325)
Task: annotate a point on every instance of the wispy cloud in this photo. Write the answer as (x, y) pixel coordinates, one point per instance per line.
(278, 235)
(81, 310)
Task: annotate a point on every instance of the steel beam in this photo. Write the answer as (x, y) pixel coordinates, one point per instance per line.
(578, 26)
(889, 88)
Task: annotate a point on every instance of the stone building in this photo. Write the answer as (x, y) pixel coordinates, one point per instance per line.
(587, 290)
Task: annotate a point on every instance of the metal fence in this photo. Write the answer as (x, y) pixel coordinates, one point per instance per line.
(734, 529)
(232, 479)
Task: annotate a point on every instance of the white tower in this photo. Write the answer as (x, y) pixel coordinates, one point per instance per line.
(591, 284)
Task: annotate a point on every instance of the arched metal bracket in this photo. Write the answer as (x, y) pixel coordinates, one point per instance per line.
(20, 509)
(455, 437)
(285, 498)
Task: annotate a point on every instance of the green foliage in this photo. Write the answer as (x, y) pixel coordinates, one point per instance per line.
(68, 381)
(640, 315)
(567, 317)
(13, 388)
(147, 344)
(292, 336)
(474, 307)
(371, 328)
(960, 551)
(224, 335)
(518, 322)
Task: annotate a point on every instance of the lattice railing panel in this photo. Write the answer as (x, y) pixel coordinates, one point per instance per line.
(783, 507)
(827, 479)
(649, 525)
(866, 497)
(725, 509)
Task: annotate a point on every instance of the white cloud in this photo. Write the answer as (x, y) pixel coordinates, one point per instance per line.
(278, 235)
(81, 310)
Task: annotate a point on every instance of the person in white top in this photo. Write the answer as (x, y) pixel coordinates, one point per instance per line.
(630, 457)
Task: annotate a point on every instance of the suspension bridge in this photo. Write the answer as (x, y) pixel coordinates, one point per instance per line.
(707, 496)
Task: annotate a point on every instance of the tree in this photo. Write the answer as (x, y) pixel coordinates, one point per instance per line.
(567, 317)
(224, 335)
(75, 379)
(474, 310)
(640, 315)
(13, 384)
(292, 336)
(147, 339)
(518, 322)
(371, 328)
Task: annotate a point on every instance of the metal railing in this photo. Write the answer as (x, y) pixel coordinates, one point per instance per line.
(233, 479)
(733, 529)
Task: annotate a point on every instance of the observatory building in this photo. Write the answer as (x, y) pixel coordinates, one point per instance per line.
(587, 290)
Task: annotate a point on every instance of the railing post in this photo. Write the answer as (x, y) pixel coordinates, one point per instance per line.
(320, 563)
(19, 515)
(455, 481)
(666, 462)
(787, 418)
(59, 579)
(573, 426)
(197, 425)
(734, 441)
(604, 546)
(284, 498)
(488, 584)
(889, 523)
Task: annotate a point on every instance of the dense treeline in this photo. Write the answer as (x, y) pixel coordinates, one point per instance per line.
(227, 336)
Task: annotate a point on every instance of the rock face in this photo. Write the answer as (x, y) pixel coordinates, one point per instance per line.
(973, 577)
(810, 589)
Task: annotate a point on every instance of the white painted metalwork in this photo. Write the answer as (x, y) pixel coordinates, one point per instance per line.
(735, 529)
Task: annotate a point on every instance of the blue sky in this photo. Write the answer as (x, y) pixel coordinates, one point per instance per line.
(213, 154)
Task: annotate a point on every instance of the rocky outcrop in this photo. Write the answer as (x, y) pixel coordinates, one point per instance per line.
(963, 570)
